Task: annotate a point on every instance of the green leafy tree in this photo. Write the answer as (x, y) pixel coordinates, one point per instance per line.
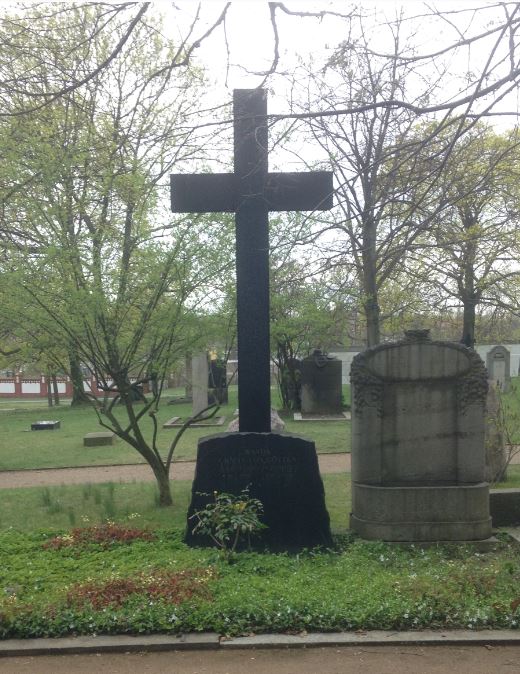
(468, 255)
(92, 256)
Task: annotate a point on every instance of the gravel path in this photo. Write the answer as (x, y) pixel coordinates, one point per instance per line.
(181, 470)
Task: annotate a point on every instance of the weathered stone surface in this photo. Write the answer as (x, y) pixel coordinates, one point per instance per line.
(199, 383)
(418, 442)
(99, 439)
(277, 425)
(281, 470)
(425, 513)
(47, 425)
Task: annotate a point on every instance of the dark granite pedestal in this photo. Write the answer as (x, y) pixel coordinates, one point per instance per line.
(281, 470)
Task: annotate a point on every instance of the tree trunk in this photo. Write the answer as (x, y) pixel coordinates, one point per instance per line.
(370, 290)
(55, 389)
(78, 393)
(163, 484)
(372, 317)
(468, 323)
(49, 391)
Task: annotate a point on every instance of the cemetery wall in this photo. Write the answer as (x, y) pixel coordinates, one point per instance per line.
(37, 387)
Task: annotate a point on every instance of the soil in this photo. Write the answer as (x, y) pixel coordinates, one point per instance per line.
(346, 660)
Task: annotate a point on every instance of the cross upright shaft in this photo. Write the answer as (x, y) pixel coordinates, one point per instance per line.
(252, 262)
(251, 192)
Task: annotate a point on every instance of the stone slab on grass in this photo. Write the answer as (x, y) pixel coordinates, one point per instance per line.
(99, 439)
(176, 422)
(171, 422)
(298, 416)
(46, 425)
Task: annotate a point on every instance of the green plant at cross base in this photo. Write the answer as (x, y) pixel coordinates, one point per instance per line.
(228, 519)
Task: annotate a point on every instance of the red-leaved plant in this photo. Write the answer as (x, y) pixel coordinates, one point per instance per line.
(172, 586)
(105, 535)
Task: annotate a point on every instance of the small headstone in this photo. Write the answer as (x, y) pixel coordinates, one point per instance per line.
(199, 382)
(498, 362)
(45, 425)
(418, 456)
(99, 439)
(321, 384)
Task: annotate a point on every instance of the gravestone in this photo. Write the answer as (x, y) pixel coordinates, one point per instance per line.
(280, 470)
(199, 383)
(418, 457)
(46, 425)
(217, 382)
(321, 384)
(99, 439)
(498, 362)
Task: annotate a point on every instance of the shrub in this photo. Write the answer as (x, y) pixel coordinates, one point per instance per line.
(228, 519)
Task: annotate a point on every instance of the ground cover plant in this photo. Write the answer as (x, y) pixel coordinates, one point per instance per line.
(164, 586)
(132, 573)
(21, 449)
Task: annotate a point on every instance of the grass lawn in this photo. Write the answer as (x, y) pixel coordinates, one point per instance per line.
(72, 585)
(21, 448)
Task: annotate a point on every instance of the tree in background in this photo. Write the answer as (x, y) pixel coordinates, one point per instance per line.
(93, 259)
(468, 255)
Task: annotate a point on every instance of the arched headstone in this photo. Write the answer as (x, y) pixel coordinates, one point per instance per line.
(498, 363)
(418, 456)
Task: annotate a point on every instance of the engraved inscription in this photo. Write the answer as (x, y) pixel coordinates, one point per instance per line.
(259, 461)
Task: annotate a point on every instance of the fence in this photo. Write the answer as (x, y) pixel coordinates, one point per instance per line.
(38, 387)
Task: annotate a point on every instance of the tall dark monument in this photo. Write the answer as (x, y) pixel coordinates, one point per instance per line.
(280, 468)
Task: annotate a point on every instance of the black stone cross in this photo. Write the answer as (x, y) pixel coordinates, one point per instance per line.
(251, 192)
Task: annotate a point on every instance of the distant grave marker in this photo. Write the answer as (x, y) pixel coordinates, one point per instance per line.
(321, 385)
(45, 425)
(498, 362)
(99, 439)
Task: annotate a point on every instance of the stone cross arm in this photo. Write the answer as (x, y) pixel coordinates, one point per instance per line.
(221, 192)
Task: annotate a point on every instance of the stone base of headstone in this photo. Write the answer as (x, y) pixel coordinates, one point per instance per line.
(99, 439)
(421, 513)
(45, 425)
(176, 422)
(280, 470)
